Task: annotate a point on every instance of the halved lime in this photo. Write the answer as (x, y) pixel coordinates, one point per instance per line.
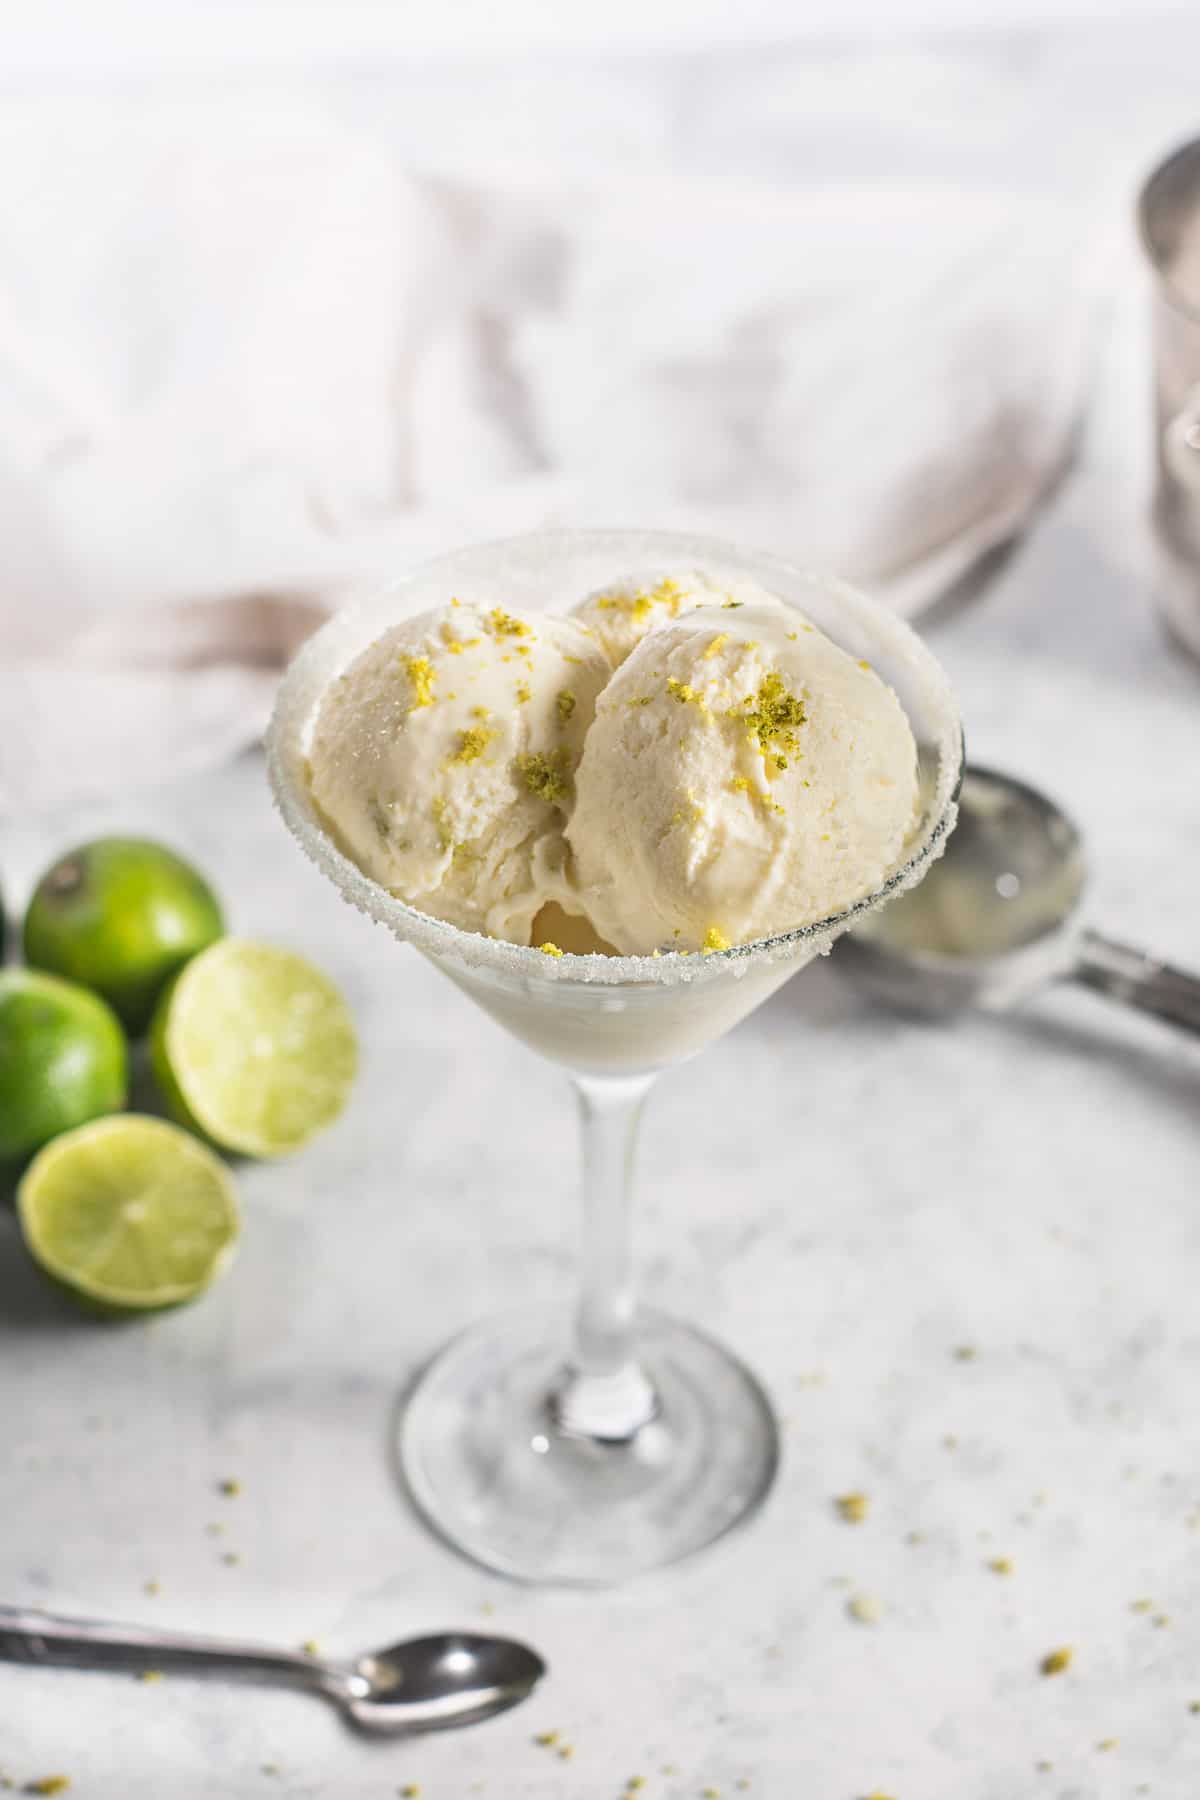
(254, 1048)
(131, 1213)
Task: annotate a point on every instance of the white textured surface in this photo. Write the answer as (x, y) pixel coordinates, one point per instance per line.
(845, 1197)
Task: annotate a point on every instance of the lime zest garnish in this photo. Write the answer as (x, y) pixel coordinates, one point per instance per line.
(421, 673)
(471, 744)
(546, 773)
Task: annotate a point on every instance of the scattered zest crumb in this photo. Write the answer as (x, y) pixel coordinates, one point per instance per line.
(549, 949)
(950, 1442)
(864, 1609)
(1043, 1767)
(1001, 1565)
(714, 940)
(634, 1783)
(1107, 1744)
(151, 1675)
(1141, 1606)
(1161, 1619)
(152, 1587)
(914, 1537)
(231, 1557)
(270, 1768)
(546, 1739)
(311, 1647)
(410, 1791)
(1194, 1706)
(565, 1752)
(964, 1352)
(230, 1488)
(49, 1784)
(214, 1530)
(1056, 1662)
(853, 1507)
(565, 704)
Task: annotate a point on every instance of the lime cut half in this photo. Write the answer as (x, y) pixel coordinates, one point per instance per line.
(254, 1048)
(131, 1213)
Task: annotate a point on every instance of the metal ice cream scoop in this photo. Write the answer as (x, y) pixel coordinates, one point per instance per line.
(997, 919)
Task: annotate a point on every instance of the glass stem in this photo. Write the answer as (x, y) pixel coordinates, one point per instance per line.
(605, 1395)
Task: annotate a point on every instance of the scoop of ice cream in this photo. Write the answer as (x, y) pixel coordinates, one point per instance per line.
(443, 760)
(743, 775)
(620, 615)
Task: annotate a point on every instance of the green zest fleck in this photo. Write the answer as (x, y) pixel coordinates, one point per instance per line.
(565, 704)
(774, 716)
(714, 940)
(546, 773)
(548, 949)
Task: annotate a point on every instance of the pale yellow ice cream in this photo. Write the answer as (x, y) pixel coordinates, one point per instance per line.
(743, 775)
(683, 764)
(443, 761)
(620, 615)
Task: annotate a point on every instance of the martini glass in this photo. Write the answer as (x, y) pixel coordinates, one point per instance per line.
(589, 1443)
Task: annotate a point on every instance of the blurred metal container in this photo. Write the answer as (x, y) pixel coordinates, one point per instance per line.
(1169, 221)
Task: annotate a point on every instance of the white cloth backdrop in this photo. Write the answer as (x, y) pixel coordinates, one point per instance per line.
(255, 350)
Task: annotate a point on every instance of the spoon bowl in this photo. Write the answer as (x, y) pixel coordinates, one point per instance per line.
(455, 1678)
(998, 919)
(992, 921)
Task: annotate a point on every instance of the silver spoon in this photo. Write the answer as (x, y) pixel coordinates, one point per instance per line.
(997, 919)
(423, 1684)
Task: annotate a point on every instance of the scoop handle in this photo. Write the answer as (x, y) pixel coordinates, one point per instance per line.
(1138, 980)
(31, 1636)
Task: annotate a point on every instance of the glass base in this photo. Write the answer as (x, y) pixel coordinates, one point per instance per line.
(495, 1475)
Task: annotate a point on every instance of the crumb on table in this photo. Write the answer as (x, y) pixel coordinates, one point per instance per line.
(853, 1508)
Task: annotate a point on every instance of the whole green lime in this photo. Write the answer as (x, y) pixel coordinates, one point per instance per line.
(121, 915)
(62, 1060)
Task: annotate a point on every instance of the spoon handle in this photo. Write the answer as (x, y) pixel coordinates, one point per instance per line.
(30, 1636)
(1138, 980)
